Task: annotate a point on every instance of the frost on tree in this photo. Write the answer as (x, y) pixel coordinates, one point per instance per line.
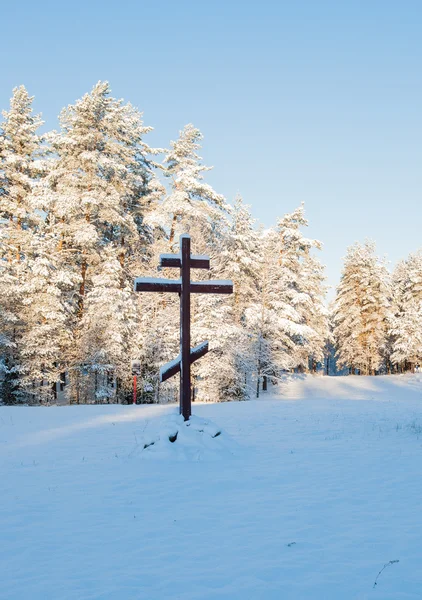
(192, 205)
(361, 310)
(223, 320)
(288, 316)
(405, 323)
(22, 249)
(99, 188)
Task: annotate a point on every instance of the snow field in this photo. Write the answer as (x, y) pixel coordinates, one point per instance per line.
(302, 496)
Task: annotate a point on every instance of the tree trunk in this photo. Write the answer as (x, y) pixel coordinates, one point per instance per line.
(61, 241)
(264, 383)
(84, 267)
(172, 229)
(54, 391)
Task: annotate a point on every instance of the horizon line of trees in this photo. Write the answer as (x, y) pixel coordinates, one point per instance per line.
(86, 209)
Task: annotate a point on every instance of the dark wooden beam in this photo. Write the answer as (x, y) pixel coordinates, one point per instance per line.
(146, 284)
(185, 393)
(173, 367)
(170, 260)
(174, 260)
(198, 352)
(211, 287)
(200, 262)
(169, 369)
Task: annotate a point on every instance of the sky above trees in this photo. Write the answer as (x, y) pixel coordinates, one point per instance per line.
(307, 101)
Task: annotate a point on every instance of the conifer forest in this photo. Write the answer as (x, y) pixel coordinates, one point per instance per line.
(86, 209)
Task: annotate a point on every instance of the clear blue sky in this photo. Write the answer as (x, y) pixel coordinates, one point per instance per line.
(314, 101)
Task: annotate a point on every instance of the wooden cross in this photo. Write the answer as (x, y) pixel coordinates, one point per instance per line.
(185, 287)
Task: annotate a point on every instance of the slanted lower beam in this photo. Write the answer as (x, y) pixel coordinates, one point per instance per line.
(169, 369)
(173, 367)
(198, 352)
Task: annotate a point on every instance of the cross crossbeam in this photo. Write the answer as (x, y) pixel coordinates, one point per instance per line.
(173, 367)
(184, 287)
(174, 260)
(146, 284)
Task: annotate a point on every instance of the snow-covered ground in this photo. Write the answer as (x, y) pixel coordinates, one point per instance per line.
(304, 495)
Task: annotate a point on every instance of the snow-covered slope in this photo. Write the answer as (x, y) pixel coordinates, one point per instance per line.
(302, 496)
(353, 388)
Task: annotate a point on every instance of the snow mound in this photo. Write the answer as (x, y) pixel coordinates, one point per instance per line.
(173, 437)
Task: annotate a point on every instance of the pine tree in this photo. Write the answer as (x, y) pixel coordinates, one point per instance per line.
(108, 330)
(361, 310)
(406, 315)
(315, 313)
(192, 206)
(96, 196)
(223, 319)
(289, 318)
(240, 258)
(20, 167)
(302, 277)
(45, 315)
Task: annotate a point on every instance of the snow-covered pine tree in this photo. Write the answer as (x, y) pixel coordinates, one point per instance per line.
(406, 314)
(270, 352)
(192, 206)
(315, 315)
(223, 319)
(305, 290)
(45, 311)
(240, 258)
(361, 309)
(20, 166)
(96, 196)
(290, 318)
(107, 340)
(10, 295)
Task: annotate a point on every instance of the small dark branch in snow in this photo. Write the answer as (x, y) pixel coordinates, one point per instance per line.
(217, 434)
(148, 445)
(290, 544)
(173, 437)
(390, 562)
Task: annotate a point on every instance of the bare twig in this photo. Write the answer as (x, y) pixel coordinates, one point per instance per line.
(390, 562)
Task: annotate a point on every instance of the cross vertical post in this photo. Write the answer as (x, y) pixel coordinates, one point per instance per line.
(185, 387)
